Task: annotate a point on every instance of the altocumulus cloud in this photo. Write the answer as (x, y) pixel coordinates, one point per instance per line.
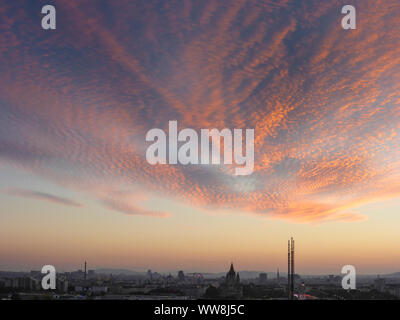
(324, 102)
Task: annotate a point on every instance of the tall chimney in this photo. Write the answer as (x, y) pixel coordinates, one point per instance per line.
(292, 270)
(289, 277)
(85, 270)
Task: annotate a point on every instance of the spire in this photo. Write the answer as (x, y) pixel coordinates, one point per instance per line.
(231, 275)
(85, 271)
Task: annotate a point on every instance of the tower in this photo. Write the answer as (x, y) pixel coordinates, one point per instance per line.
(231, 287)
(288, 269)
(85, 272)
(291, 268)
(231, 275)
(181, 276)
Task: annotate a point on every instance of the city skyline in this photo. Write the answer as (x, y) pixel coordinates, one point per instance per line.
(76, 104)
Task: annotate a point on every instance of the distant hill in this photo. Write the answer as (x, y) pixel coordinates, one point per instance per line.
(393, 275)
(119, 271)
(255, 274)
(243, 274)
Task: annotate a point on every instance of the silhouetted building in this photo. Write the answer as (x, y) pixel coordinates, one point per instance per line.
(62, 285)
(231, 287)
(262, 278)
(85, 271)
(91, 274)
(291, 268)
(380, 284)
(181, 276)
(149, 275)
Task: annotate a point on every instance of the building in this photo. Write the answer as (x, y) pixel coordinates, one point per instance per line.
(291, 273)
(62, 285)
(181, 276)
(231, 287)
(262, 278)
(98, 290)
(380, 284)
(149, 275)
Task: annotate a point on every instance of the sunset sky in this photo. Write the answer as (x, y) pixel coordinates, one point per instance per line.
(76, 104)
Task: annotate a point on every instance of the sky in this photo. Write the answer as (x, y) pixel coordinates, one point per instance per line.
(76, 104)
